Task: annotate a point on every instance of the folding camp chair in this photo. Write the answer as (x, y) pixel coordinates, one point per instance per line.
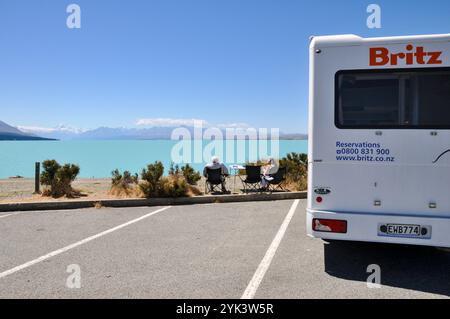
(279, 178)
(214, 180)
(253, 178)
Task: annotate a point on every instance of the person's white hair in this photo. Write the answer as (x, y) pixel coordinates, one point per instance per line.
(215, 159)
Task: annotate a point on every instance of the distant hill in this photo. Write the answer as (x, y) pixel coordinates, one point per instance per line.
(294, 136)
(8, 129)
(10, 133)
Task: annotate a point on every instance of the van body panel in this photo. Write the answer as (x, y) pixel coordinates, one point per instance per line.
(408, 172)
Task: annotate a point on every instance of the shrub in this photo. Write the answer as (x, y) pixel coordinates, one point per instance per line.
(190, 175)
(173, 186)
(153, 172)
(48, 176)
(59, 178)
(174, 169)
(154, 184)
(123, 184)
(151, 179)
(124, 180)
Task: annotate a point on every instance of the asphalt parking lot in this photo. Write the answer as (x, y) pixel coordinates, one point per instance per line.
(255, 249)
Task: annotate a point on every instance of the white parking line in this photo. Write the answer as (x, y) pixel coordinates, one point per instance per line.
(12, 214)
(79, 243)
(252, 287)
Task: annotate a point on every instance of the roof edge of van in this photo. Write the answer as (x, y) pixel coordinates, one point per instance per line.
(353, 40)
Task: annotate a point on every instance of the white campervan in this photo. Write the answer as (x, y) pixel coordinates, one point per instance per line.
(379, 139)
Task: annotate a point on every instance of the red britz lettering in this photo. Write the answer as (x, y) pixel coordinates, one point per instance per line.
(381, 56)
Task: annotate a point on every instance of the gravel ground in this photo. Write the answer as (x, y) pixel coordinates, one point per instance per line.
(21, 189)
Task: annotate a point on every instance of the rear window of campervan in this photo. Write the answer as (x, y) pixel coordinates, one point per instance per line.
(393, 98)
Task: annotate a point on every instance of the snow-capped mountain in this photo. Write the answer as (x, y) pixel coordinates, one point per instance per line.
(64, 132)
(60, 132)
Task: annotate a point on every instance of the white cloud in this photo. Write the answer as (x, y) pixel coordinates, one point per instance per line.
(168, 122)
(233, 125)
(173, 122)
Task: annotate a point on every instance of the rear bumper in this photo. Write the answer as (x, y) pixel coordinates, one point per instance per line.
(364, 227)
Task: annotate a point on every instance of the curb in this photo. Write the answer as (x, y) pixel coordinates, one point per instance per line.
(117, 203)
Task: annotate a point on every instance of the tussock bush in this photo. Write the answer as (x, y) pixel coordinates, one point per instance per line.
(173, 186)
(125, 179)
(297, 170)
(154, 184)
(193, 191)
(190, 175)
(58, 179)
(123, 184)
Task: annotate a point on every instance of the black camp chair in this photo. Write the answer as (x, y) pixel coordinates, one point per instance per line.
(214, 180)
(279, 178)
(253, 178)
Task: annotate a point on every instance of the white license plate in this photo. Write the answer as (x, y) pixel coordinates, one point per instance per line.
(396, 229)
(401, 230)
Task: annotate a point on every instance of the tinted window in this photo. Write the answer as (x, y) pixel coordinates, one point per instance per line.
(393, 99)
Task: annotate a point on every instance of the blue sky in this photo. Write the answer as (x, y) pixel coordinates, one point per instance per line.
(223, 61)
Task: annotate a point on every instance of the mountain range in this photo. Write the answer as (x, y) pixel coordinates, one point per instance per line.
(62, 132)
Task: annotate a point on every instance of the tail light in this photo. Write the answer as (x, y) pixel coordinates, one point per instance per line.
(329, 225)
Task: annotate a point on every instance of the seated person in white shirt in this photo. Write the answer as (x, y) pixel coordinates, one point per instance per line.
(215, 164)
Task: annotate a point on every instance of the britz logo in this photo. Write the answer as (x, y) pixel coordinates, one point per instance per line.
(382, 56)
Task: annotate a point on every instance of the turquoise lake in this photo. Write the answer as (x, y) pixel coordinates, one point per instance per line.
(98, 158)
